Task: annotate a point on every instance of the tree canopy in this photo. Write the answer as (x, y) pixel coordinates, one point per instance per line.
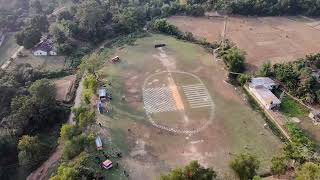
(193, 171)
(245, 165)
(234, 59)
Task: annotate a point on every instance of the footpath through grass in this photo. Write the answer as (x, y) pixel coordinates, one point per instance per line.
(291, 108)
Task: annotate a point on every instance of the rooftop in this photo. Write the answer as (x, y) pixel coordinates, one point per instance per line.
(267, 95)
(262, 81)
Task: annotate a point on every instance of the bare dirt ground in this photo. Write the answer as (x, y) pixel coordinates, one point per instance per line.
(64, 86)
(276, 39)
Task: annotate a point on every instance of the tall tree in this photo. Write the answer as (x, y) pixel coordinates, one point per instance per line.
(245, 165)
(234, 59)
(29, 149)
(39, 22)
(193, 171)
(89, 15)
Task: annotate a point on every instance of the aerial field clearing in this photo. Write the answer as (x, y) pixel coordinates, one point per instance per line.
(277, 39)
(177, 108)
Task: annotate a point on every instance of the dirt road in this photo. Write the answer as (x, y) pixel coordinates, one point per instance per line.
(42, 172)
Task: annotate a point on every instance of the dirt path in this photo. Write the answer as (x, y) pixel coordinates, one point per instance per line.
(14, 56)
(42, 172)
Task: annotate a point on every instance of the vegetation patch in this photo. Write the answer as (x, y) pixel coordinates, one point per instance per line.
(292, 108)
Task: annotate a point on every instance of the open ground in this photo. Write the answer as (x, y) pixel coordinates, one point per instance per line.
(46, 63)
(276, 39)
(8, 48)
(159, 132)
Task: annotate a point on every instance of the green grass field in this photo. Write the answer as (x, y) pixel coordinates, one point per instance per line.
(292, 108)
(235, 126)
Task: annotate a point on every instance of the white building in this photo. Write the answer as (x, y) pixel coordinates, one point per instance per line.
(261, 88)
(263, 81)
(44, 49)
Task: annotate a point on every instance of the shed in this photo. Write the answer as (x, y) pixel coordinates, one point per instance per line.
(102, 93)
(107, 164)
(266, 97)
(98, 143)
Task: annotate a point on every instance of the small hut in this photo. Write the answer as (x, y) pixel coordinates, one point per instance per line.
(107, 164)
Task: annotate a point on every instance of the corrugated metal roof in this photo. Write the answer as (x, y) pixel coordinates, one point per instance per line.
(102, 92)
(267, 95)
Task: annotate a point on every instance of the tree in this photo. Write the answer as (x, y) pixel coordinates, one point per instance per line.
(195, 10)
(243, 79)
(89, 15)
(77, 144)
(67, 131)
(234, 59)
(245, 165)
(30, 149)
(192, 171)
(39, 22)
(265, 70)
(58, 34)
(65, 15)
(308, 171)
(279, 165)
(36, 6)
(43, 91)
(129, 19)
(66, 173)
(28, 37)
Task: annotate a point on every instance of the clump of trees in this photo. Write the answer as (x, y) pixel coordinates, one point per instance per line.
(31, 34)
(76, 169)
(267, 7)
(28, 107)
(245, 165)
(297, 77)
(301, 150)
(234, 59)
(31, 149)
(192, 171)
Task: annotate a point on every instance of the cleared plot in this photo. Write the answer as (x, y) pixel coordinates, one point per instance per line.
(48, 63)
(267, 38)
(234, 127)
(63, 87)
(8, 48)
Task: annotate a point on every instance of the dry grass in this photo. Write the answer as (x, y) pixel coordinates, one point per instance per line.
(276, 39)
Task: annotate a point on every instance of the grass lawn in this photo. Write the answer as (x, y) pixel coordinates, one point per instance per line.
(8, 47)
(149, 151)
(292, 108)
